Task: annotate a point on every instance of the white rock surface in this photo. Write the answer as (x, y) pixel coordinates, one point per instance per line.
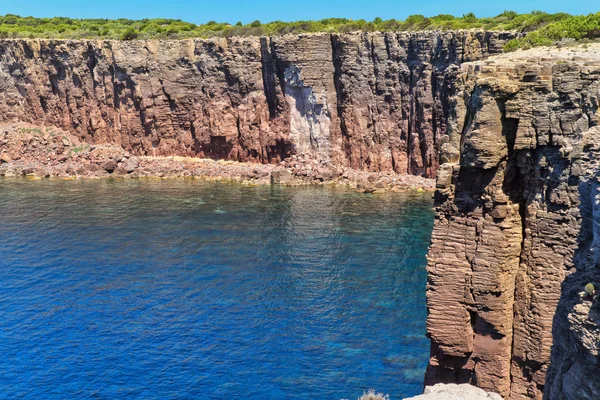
(455, 392)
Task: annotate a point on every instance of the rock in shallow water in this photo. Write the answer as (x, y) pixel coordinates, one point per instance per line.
(281, 176)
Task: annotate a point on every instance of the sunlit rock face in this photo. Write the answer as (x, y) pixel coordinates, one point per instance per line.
(371, 101)
(516, 213)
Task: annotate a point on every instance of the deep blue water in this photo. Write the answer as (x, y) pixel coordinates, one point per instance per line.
(188, 290)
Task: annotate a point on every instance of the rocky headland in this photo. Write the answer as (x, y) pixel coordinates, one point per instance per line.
(367, 110)
(514, 241)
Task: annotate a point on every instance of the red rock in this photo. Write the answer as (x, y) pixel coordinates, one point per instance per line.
(109, 166)
(5, 158)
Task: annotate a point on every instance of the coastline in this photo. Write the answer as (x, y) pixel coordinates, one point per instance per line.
(46, 153)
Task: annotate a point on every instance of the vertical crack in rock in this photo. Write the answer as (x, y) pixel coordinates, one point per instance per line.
(270, 77)
(339, 95)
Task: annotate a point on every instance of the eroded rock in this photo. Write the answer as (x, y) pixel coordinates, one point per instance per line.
(509, 227)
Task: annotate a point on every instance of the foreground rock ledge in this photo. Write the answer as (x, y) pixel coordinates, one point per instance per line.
(455, 392)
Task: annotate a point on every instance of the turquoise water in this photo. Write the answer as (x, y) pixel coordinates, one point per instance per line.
(188, 290)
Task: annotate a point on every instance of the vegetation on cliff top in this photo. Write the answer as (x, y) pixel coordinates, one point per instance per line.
(540, 28)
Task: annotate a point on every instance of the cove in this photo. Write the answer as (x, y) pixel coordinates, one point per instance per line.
(189, 289)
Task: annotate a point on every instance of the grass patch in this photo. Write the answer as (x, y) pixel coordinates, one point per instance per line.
(79, 149)
(30, 130)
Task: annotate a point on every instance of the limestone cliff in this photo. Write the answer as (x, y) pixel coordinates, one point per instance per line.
(369, 101)
(515, 197)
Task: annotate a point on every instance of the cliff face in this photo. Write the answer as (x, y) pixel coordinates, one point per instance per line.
(516, 192)
(370, 101)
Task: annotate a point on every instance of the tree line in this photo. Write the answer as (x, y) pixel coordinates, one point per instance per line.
(540, 28)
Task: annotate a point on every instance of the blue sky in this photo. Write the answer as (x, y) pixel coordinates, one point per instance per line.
(200, 11)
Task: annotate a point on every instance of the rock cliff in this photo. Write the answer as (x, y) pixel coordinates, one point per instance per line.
(516, 214)
(370, 101)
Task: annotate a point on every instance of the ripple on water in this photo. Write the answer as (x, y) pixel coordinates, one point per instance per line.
(164, 289)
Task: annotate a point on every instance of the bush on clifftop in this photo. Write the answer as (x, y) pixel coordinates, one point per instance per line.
(567, 27)
(130, 34)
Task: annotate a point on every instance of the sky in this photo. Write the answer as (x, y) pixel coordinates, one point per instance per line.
(201, 11)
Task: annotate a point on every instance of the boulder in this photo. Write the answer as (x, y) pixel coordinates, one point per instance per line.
(109, 166)
(281, 176)
(131, 165)
(120, 171)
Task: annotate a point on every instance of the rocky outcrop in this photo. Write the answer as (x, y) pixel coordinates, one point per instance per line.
(512, 140)
(513, 205)
(371, 101)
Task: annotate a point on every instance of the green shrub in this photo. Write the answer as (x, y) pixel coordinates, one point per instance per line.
(372, 395)
(557, 27)
(470, 18)
(590, 290)
(540, 28)
(129, 34)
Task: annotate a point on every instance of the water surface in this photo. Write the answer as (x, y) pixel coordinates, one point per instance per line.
(187, 290)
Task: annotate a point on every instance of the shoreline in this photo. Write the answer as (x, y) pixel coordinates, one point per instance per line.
(219, 171)
(45, 153)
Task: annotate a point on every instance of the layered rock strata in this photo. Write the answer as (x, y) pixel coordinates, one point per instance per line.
(513, 204)
(370, 101)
